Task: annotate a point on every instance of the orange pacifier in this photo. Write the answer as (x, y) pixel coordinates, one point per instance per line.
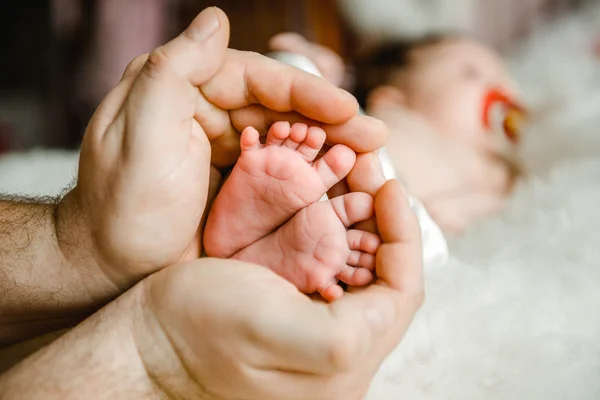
(503, 115)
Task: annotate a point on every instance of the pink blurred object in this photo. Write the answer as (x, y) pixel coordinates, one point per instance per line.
(6, 134)
(124, 30)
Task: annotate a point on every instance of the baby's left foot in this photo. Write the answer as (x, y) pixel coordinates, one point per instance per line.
(270, 183)
(314, 249)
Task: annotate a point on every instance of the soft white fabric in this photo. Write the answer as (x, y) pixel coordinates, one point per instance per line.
(515, 314)
(498, 22)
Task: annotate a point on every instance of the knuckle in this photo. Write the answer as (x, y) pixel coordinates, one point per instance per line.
(157, 61)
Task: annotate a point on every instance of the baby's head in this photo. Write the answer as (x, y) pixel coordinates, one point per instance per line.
(448, 79)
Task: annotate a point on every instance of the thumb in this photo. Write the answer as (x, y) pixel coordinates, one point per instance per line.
(165, 91)
(198, 52)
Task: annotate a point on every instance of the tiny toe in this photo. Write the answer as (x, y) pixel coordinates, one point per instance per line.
(355, 276)
(352, 207)
(332, 291)
(250, 139)
(297, 135)
(362, 260)
(363, 241)
(335, 165)
(278, 133)
(298, 132)
(311, 146)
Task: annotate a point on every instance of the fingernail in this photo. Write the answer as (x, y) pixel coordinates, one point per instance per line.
(350, 96)
(207, 24)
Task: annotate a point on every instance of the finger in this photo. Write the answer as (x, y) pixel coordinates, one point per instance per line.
(401, 235)
(224, 139)
(329, 63)
(249, 78)
(360, 133)
(366, 176)
(197, 53)
(288, 41)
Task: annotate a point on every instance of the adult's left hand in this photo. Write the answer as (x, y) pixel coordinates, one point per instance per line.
(146, 155)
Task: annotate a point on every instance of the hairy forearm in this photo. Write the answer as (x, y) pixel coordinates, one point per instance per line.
(45, 284)
(98, 359)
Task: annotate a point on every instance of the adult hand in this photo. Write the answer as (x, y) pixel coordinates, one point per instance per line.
(229, 330)
(146, 154)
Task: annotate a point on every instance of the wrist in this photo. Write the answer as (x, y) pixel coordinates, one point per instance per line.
(156, 348)
(100, 358)
(76, 243)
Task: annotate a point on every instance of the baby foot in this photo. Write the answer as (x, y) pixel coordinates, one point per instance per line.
(270, 183)
(314, 249)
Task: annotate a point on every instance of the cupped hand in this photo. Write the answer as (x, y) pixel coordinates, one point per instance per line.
(144, 168)
(229, 330)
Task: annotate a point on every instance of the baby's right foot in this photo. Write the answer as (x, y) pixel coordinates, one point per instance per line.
(315, 249)
(270, 183)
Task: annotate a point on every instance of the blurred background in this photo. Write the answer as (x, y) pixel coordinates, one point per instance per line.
(60, 57)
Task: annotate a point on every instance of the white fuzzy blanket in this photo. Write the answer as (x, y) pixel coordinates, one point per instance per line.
(516, 313)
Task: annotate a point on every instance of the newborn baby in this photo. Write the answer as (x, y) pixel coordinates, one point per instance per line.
(268, 212)
(450, 106)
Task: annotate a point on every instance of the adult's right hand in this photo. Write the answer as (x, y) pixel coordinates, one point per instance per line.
(229, 330)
